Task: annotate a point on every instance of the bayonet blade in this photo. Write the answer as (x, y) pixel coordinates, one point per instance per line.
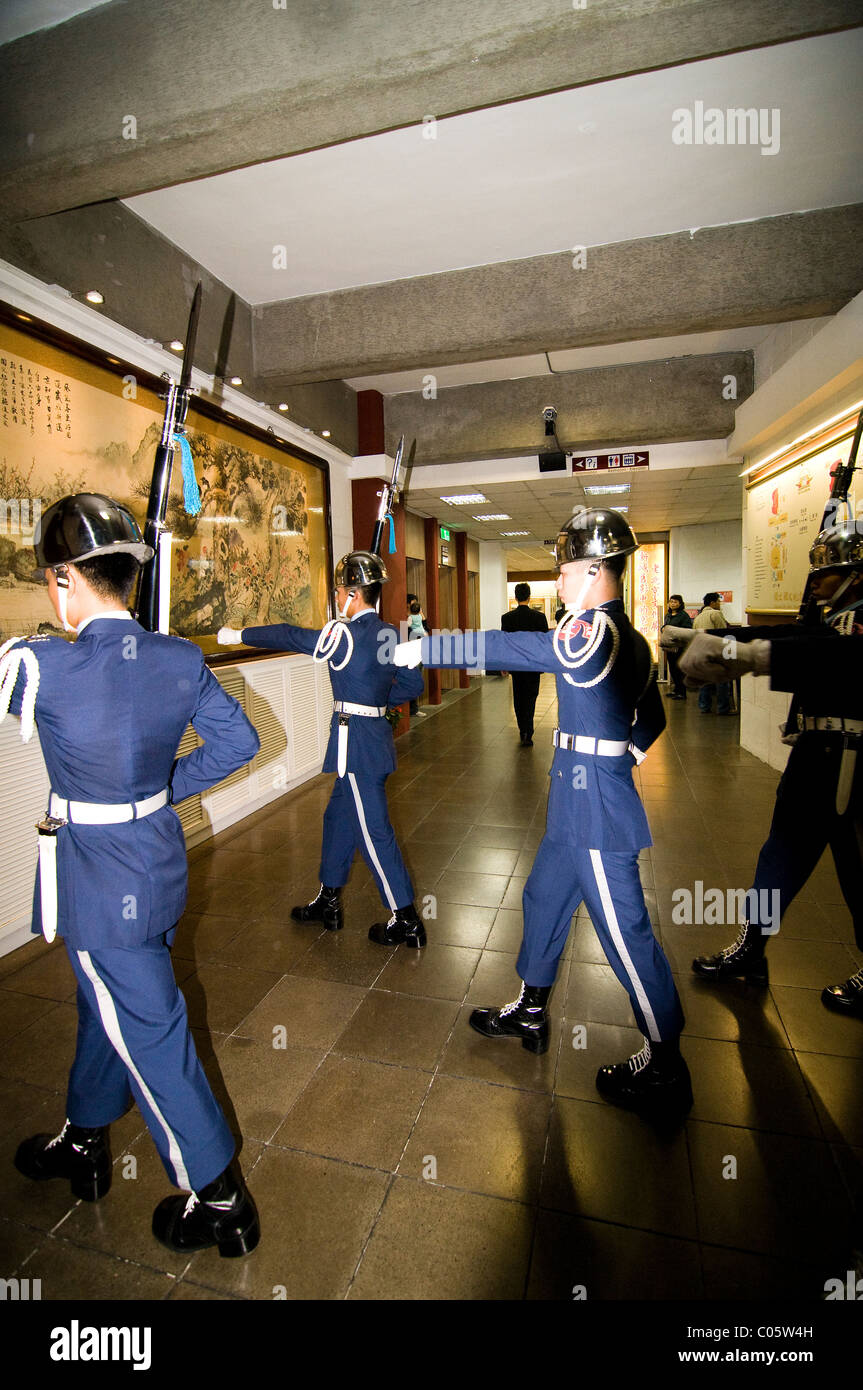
(191, 339)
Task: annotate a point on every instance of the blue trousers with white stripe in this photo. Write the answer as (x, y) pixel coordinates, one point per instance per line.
(133, 1035)
(357, 818)
(608, 883)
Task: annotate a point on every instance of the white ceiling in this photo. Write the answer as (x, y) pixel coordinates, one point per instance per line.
(19, 17)
(584, 167)
(692, 495)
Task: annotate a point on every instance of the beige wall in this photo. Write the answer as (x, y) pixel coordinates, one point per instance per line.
(415, 545)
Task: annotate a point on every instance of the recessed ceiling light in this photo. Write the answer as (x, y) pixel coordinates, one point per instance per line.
(607, 487)
(176, 345)
(283, 405)
(325, 434)
(494, 516)
(94, 297)
(25, 317)
(463, 498)
(515, 533)
(236, 381)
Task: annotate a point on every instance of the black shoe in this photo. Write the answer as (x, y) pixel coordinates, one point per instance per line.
(744, 958)
(526, 741)
(222, 1213)
(326, 908)
(654, 1082)
(846, 998)
(524, 1018)
(403, 929)
(82, 1155)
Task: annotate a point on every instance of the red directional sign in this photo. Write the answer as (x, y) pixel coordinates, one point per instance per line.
(598, 463)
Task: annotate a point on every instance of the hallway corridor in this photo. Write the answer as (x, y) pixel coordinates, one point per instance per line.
(394, 1153)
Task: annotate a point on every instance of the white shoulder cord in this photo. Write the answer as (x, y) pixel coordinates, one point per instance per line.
(330, 636)
(562, 642)
(10, 665)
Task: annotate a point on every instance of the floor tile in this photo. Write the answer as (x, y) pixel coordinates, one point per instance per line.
(482, 1138)
(594, 1260)
(399, 1028)
(303, 1012)
(356, 1110)
(433, 1243)
(438, 972)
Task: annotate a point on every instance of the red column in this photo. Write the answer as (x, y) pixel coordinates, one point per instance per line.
(461, 587)
(430, 526)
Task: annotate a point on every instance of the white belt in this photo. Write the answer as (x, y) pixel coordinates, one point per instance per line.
(60, 813)
(97, 813)
(833, 723)
(372, 711)
(580, 743)
(343, 708)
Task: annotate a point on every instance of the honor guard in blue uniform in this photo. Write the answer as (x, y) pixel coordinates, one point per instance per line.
(819, 801)
(358, 648)
(610, 713)
(111, 708)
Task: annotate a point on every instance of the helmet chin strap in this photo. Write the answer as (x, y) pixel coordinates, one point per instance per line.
(62, 579)
(578, 605)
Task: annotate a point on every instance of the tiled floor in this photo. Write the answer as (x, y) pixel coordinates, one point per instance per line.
(392, 1152)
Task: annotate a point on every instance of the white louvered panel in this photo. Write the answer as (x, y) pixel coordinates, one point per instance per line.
(305, 744)
(325, 705)
(234, 791)
(267, 713)
(190, 811)
(23, 799)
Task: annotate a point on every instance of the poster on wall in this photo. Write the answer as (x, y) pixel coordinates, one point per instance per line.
(783, 516)
(648, 591)
(257, 551)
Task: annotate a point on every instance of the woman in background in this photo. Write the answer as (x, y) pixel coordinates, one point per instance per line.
(676, 616)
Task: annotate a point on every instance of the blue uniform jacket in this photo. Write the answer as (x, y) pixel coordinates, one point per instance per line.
(369, 678)
(592, 800)
(110, 710)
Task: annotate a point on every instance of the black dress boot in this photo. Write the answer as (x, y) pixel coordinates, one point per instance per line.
(82, 1155)
(654, 1082)
(745, 957)
(326, 908)
(403, 928)
(524, 1018)
(846, 998)
(222, 1213)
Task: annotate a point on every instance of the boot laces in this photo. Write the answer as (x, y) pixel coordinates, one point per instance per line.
(738, 944)
(511, 1007)
(856, 980)
(641, 1059)
(58, 1138)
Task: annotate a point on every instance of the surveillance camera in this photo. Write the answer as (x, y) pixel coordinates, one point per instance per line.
(549, 413)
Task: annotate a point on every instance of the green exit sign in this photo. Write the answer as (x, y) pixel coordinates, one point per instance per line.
(444, 534)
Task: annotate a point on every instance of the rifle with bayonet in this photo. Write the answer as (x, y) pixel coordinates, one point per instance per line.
(176, 398)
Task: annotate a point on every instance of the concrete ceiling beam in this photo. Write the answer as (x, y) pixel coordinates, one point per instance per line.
(141, 94)
(797, 266)
(647, 402)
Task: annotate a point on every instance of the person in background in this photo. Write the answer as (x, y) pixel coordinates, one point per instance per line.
(676, 616)
(525, 684)
(708, 620)
(417, 627)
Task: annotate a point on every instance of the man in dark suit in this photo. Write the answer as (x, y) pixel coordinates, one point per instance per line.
(525, 684)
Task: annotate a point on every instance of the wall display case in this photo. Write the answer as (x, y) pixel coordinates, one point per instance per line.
(257, 552)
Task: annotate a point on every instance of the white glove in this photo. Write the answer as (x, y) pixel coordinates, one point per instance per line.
(711, 658)
(409, 653)
(229, 636)
(673, 639)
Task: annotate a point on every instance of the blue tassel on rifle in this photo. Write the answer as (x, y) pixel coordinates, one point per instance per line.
(191, 495)
(389, 518)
